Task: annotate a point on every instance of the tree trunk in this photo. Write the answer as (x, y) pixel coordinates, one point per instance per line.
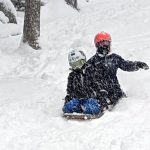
(31, 31)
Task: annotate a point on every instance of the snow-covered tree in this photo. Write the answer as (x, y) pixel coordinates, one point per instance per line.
(72, 3)
(20, 4)
(8, 9)
(3, 18)
(31, 30)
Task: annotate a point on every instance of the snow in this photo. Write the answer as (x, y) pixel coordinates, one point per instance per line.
(56, 10)
(33, 83)
(3, 18)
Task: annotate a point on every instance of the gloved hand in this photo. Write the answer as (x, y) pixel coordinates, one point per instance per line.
(142, 65)
(102, 96)
(102, 93)
(67, 98)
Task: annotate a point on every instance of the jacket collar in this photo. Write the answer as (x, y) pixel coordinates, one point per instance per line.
(100, 55)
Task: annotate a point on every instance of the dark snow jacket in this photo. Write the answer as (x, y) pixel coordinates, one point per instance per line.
(77, 86)
(101, 74)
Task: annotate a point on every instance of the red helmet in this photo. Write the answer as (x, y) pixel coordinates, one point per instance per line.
(102, 36)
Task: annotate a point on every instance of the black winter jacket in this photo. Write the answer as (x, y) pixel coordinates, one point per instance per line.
(101, 74)
(75, 85)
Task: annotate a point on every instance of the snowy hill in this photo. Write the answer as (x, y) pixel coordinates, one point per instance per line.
(33, 83)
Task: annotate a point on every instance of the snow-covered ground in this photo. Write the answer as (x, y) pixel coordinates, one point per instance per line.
(33, 83)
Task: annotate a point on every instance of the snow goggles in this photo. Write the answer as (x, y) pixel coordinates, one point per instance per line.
(78, 64)
(104, 43)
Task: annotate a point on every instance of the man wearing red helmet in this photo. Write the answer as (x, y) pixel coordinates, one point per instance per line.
(103, 43)
(101, 69)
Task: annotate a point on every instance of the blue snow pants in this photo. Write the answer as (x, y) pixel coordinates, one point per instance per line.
(87, 106)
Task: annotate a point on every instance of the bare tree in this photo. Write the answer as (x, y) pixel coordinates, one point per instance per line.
(31, 31)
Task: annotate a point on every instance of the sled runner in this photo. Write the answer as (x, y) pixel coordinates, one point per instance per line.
(79, 116)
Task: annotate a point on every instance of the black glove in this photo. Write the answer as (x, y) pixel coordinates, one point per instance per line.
(102, 96)
(67, 98)
(102, 93)
(142, 65)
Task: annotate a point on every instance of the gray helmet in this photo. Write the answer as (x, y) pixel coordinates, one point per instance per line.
(76, 59)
